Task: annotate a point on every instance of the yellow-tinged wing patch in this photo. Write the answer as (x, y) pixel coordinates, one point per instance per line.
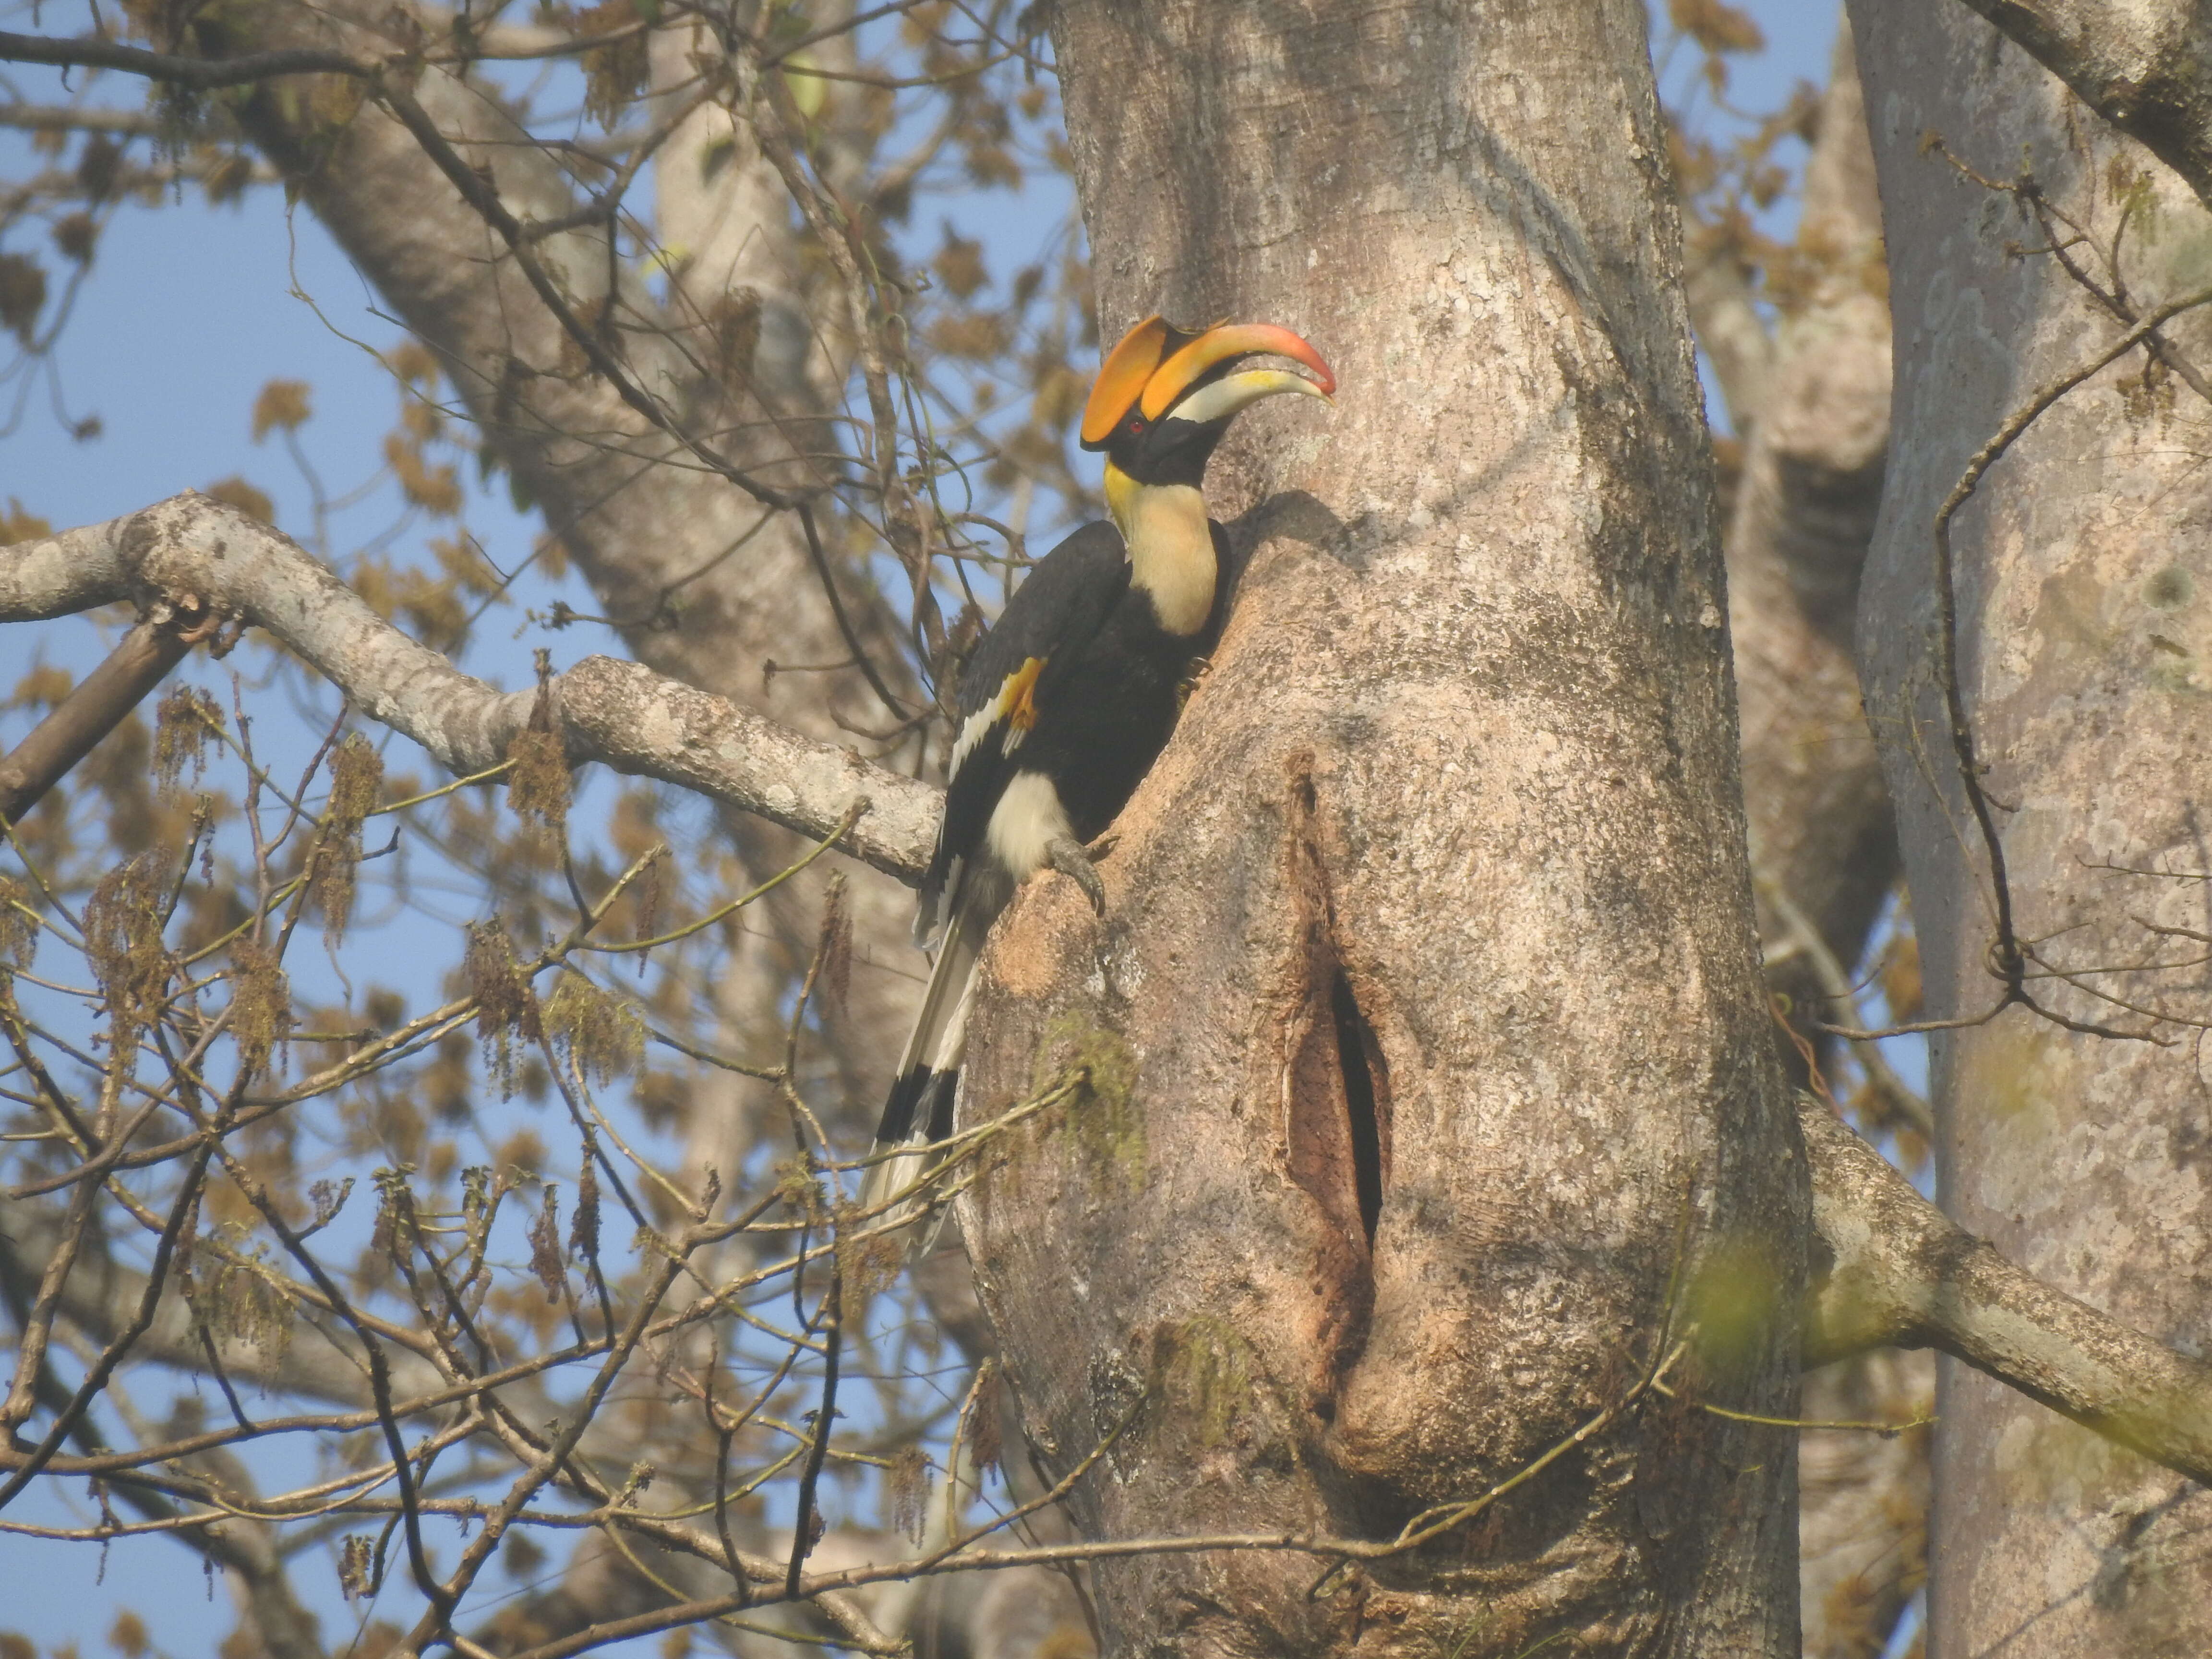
(1018, 697)
(1015, 706)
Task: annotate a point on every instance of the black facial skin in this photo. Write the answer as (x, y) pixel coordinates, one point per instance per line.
(1166, 451)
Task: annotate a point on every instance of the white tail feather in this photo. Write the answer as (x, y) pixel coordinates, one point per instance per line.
(939, 1041)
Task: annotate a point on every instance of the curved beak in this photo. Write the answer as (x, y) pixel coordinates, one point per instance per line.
(1217, 400)
(1152, 371)
(1220, 344)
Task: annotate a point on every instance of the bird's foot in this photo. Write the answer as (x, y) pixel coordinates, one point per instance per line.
(1199, 667)
(1072, 860)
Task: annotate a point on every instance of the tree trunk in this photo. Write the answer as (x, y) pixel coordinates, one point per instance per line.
(1432, 1095)
(2080, 644)
(1812, 403)
(1823, 847)
(1823, 843)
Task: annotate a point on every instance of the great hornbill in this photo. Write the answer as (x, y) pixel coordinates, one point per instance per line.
(1069, 699)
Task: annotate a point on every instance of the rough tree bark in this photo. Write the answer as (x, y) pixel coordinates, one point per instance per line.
(1432, 1096)
(2081, 638)
(2148, 67)
(619, 714)
(1373, 1199)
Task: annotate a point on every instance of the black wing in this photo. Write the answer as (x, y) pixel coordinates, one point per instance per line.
(1063, 602)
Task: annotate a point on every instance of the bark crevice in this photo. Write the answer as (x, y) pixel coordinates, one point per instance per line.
(1367, 1096)
(1335, 1088)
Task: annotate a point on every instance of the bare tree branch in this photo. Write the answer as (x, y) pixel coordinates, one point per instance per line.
(1904, 1275)
(706, 587)
(2148, 69)
(199, 74)
(101, 1293)
(192, 549)
(142, 660)
(59, 118)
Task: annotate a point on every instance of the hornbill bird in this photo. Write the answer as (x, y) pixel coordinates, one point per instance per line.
(1068, 700)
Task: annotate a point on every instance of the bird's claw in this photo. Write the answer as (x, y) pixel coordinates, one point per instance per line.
(1199, 667)
(1069, 858)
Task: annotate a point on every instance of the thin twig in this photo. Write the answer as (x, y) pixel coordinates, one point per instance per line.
(832, 1318)
(2006, 959)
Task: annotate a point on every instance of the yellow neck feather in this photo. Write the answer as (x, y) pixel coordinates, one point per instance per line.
(1170, 547)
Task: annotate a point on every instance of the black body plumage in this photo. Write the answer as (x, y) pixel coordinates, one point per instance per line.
(1108, 684)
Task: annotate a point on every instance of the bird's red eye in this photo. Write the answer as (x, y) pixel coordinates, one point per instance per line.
(1136, 425)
